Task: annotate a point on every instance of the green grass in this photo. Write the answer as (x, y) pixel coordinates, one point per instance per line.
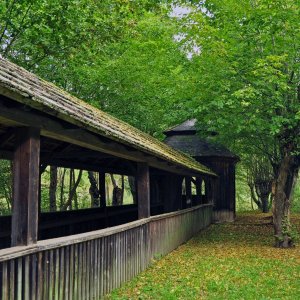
(232, 261)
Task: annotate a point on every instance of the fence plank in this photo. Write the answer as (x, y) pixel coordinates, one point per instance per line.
(91, 266)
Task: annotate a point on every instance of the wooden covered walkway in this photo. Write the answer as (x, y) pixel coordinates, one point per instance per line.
(41, 125)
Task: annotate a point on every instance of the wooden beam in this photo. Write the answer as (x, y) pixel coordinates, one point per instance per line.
(188, 188)
(86, 166)
(58, 129)
(25, 187)
(143, 190)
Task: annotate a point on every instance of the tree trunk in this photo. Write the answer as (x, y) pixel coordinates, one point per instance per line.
(122, 190)
(253, 196)
(62, 185)
(71, 180)
(53, 188)
(73, 189)
(263, 189)
(75, 195)
(117, 192)
(283, 187)
(94, 191)
(265, 203)
(131, 181)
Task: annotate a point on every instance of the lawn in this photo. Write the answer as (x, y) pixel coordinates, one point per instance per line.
(225, 261)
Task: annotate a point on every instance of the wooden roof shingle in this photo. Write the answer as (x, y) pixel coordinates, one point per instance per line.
(46, 97)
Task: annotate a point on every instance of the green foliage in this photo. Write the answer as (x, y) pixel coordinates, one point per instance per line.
(129, 58)
(118, 55)
(5, 187)
(83, 198)
(248, 71)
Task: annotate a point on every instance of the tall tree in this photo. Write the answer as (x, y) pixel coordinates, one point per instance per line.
(94, 190)
(106, 52)
(249, 84)
(259, 179)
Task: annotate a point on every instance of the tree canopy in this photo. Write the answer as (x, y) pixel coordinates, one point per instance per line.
(234, 65)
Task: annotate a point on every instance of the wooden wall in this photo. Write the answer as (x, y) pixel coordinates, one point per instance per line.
(223, 187)
(89, 265)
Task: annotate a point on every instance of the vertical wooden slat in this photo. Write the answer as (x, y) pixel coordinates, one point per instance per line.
(102, 274)
(105, 265)
(80, 271)
(46, 275)
(116, 260)
(4, 282)
(67, 272)
(61, 273)
(87, 266)
(33, 276)
(188, 187)
(40, 276)
(71, 262)
(108, 264)
(56, 275)
(143, 190)
(25, 187)
(198, 189)
(12, 280)
(76, 271)
(51, 275)
(94, 264)
(26, 279)
(19, 278)
(83, 266)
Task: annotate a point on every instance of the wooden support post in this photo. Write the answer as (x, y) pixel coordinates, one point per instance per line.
(207, 192)
(143, 190)
(102, 192)
(188, 187)
(25, 187)
(198, 190)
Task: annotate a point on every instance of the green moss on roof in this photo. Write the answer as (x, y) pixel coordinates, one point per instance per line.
(47, 97)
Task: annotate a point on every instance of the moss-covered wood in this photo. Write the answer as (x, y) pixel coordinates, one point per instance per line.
(22, 86)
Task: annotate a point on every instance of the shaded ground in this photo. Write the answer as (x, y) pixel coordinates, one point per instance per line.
(232, 261)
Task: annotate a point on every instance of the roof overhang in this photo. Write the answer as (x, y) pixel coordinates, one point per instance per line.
(64, 117)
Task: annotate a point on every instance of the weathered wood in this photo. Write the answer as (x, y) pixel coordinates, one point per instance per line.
(188, 191)
(25, 187)
(198, 190)
(171, 187)
(90, 265)
(143, 190)
(56, 129)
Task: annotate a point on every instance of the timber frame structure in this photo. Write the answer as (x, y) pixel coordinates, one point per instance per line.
(84, 254)
(218, 158)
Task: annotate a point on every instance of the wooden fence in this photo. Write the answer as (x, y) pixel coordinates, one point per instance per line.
(90, 265)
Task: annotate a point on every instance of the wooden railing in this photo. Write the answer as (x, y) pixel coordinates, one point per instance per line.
(89, 265)
(62, 223)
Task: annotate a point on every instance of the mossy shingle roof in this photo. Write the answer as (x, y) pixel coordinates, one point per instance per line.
(183, 137)
(42, 95)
